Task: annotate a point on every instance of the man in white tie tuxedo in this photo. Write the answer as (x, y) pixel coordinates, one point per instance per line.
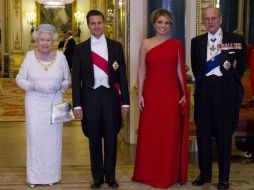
(218, 60)
(100, 96)
(69, 47)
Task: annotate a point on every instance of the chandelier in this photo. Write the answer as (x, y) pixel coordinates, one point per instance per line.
(54, 3)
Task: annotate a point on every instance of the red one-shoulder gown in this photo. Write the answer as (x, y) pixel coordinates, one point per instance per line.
(162, 145)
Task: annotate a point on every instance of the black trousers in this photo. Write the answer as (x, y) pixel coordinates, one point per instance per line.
(215, 108)
(102, 121)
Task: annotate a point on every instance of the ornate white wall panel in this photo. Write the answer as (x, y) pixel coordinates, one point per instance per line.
(138, 26)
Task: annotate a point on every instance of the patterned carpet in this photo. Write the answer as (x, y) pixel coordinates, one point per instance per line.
(12, 105)
(12, 100)
(78, 177)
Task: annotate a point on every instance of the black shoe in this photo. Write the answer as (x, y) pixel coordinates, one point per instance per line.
(112, 183)
(200, 181)
(223, 185)
(97, 184)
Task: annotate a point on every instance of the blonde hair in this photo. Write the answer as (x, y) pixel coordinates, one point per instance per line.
(161, 12)
(45, 28)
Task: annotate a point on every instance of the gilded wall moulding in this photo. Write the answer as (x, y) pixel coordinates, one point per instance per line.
(94, 4)
(200, 4)
(16, 4)
(17, 42)
(198, 17)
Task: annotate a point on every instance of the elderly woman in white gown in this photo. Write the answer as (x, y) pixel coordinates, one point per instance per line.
(44, 75)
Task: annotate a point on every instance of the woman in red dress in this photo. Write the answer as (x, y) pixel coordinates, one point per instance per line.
(251, 64)
(162, 146)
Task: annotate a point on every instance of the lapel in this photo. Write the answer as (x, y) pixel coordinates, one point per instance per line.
(87, 52)
(110, 45)
(203, 49)
(223, 52)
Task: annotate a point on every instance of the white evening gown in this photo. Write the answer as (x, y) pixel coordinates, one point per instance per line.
(44, 140)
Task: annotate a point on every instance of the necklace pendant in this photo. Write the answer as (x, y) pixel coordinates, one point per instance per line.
(45, 69)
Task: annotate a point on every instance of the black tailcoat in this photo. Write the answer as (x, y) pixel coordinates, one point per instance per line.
(102, 106)
(68, 51)
(217, 100)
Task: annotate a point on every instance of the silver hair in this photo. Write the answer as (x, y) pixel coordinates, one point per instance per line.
(45, 28)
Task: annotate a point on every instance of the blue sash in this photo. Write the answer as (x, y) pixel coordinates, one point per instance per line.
(210, 65)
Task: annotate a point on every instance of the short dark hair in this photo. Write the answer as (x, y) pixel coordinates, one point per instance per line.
(69, 33)
(94, 13)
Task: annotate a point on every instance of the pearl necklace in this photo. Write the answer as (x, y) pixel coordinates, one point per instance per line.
(52, 55)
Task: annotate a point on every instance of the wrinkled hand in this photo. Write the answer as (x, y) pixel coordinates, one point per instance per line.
(141, 103)
(182, 104)
(78, 113)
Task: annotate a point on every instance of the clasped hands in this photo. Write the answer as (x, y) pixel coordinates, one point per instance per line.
(46, 88)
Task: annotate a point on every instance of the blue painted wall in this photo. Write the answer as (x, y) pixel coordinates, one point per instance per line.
(229, 9)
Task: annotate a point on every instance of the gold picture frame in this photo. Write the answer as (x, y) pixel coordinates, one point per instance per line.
(62, 19)
(198, 17)
(200, 4)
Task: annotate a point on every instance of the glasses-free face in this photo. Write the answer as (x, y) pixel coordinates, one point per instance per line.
(96, 25)
(45, 42)
(212, 20)
(162, 25)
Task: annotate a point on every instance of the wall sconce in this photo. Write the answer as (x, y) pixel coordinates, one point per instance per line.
(79, 17)
(30, 17)
(110, 14)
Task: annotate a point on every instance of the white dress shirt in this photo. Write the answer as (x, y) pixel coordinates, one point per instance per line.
(99, 46)
(213, 41)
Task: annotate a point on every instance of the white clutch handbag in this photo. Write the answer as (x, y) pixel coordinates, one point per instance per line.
(61, 113)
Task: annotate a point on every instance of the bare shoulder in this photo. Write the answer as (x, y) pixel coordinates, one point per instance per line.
(147, 43)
